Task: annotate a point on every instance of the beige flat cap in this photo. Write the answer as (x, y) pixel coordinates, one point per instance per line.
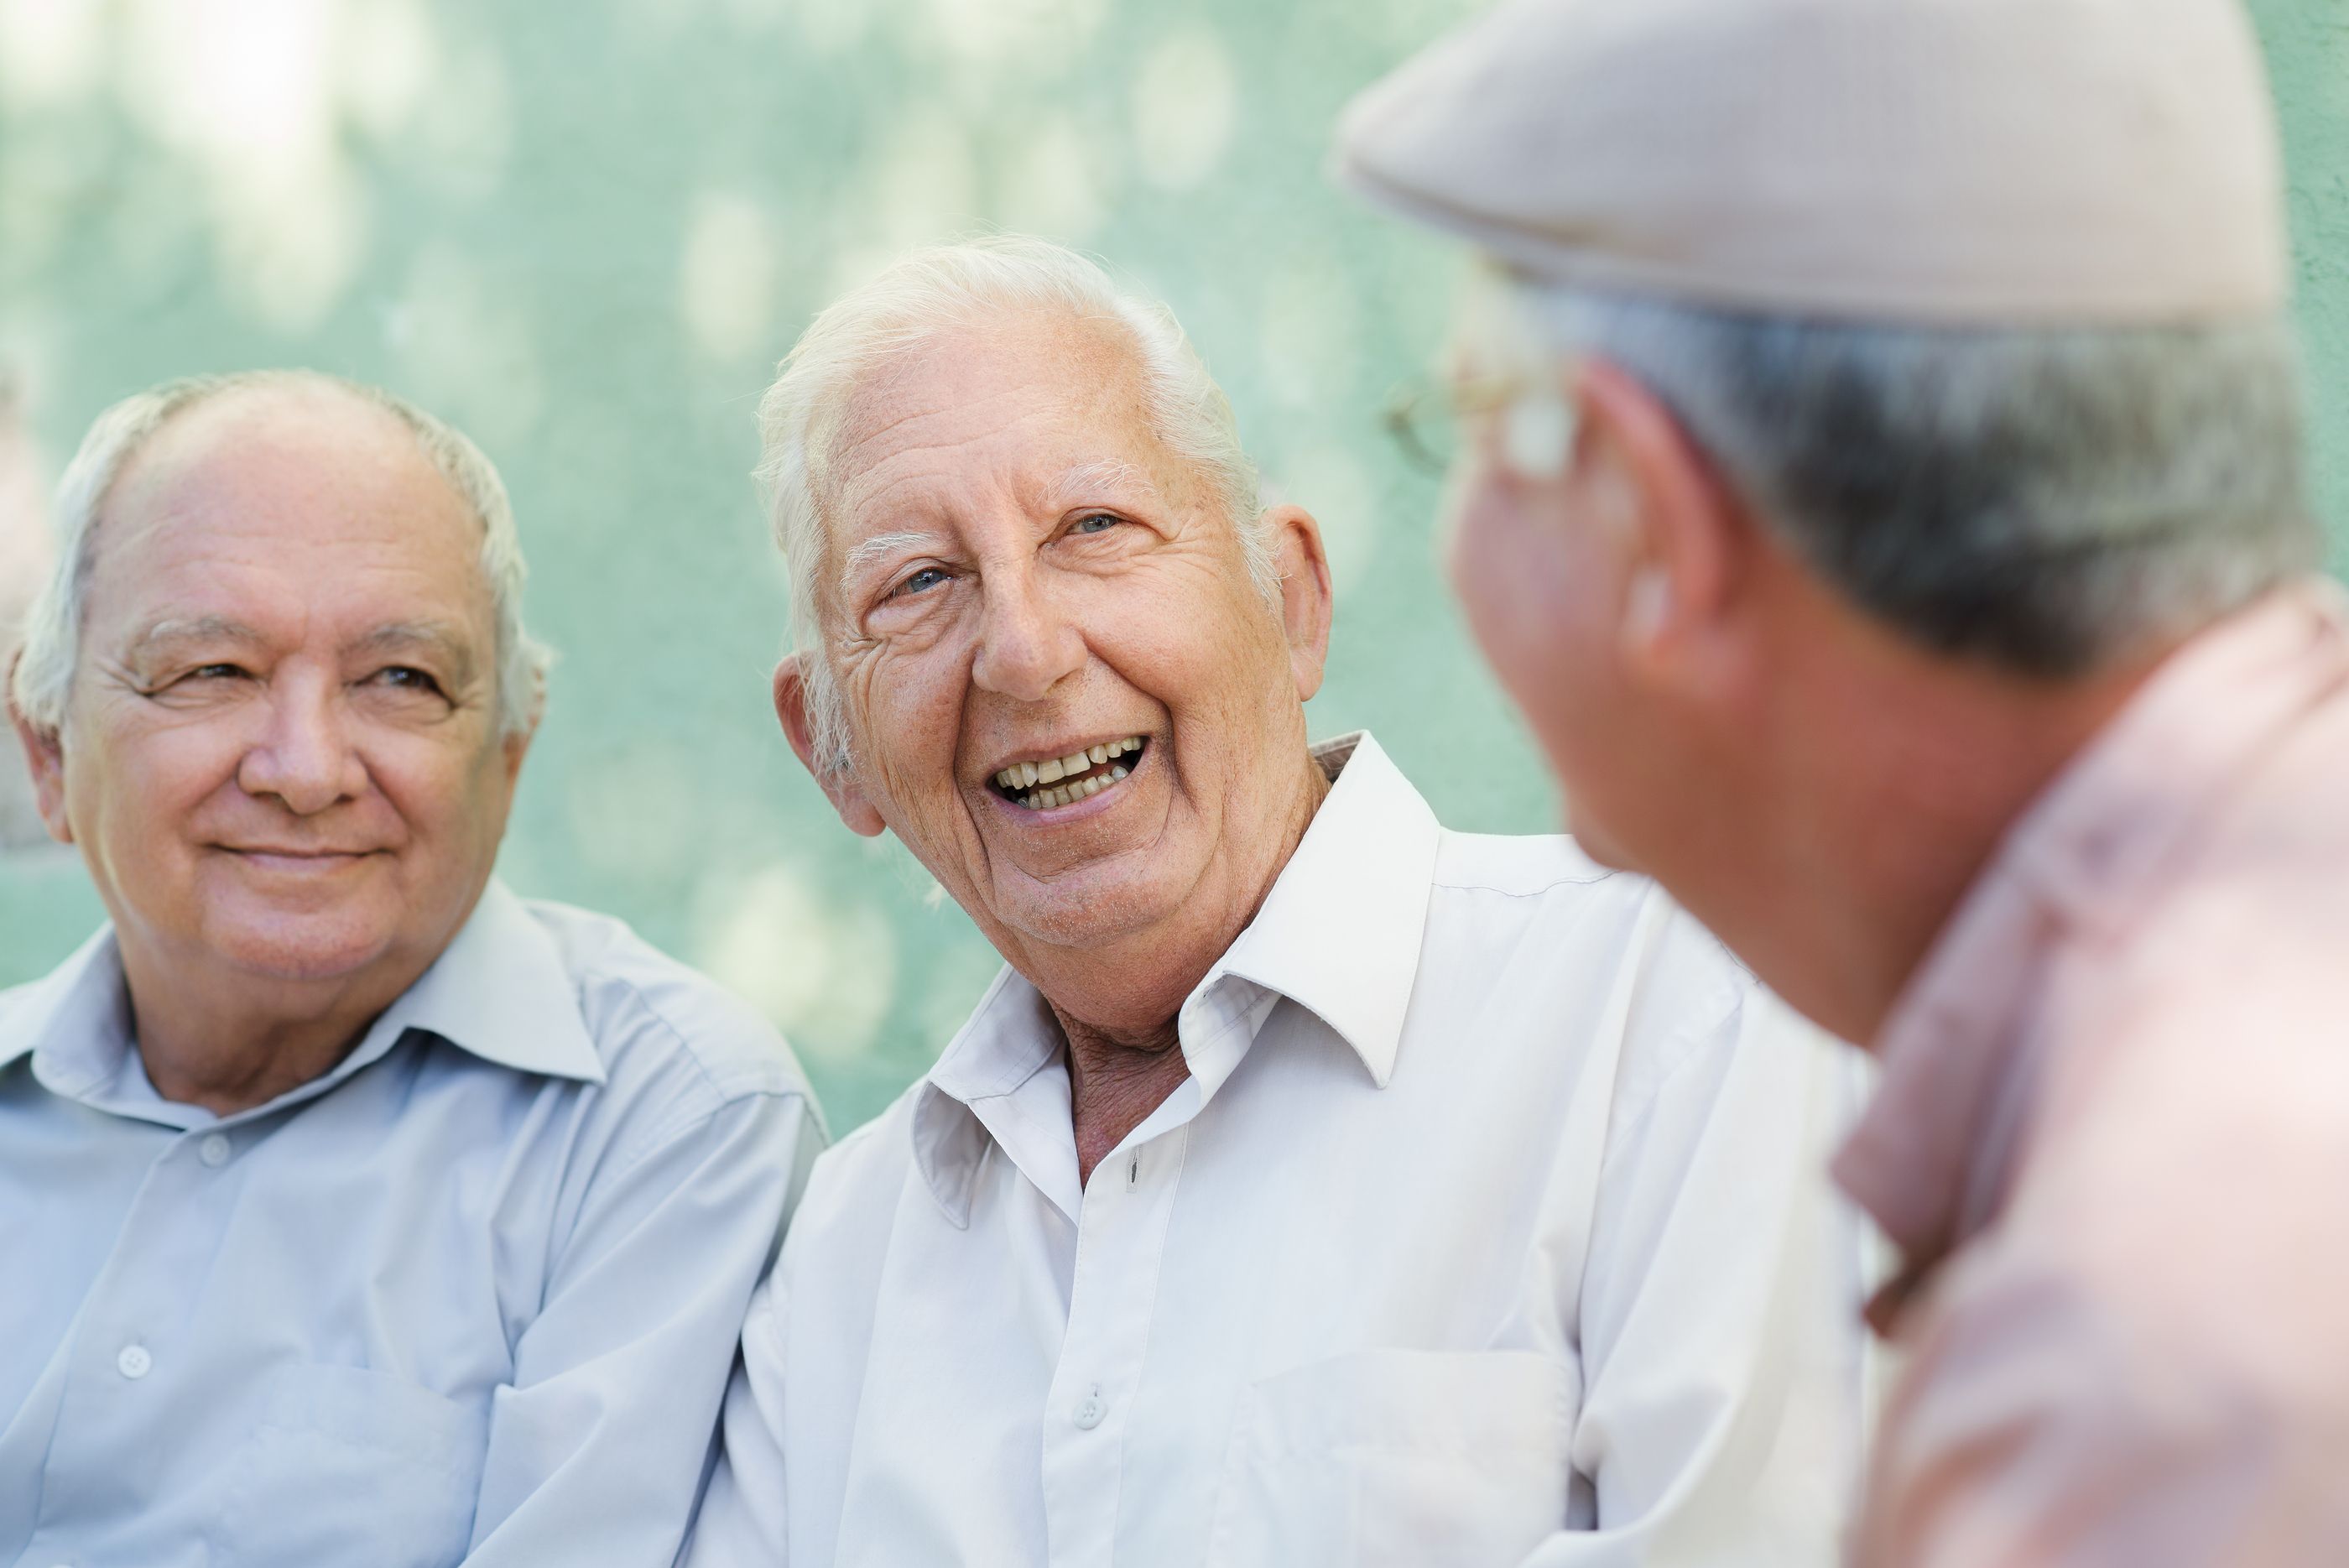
(1985, 162)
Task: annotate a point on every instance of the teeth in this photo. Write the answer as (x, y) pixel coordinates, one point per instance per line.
(1022, 778)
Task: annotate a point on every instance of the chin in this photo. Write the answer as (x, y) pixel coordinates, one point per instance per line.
(1090, 916)
(296, 951)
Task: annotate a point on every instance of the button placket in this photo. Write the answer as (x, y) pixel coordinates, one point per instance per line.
(1111, 1309)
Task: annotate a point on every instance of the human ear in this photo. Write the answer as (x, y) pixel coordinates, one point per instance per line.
(1307, 603)
(45, 759)
(839, 787)
(1677, 531)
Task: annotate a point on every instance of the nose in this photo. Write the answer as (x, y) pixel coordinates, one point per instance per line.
(305, 757)
(1026, 645)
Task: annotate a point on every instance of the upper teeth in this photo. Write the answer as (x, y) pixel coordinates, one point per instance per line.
(1052, 769)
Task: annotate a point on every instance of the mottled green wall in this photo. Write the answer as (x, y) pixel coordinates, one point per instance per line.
(585, 231)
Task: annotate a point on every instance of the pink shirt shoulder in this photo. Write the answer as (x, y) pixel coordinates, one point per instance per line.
(2113, 1140)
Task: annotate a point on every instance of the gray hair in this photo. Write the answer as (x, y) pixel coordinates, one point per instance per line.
(940, 290)
(45, 672)
(2049, 500)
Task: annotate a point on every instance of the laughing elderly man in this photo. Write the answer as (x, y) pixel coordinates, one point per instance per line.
(355, 1211)
(1930, 535)
(1314, 1185)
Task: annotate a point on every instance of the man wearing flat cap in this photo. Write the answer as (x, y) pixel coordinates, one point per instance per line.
(352, 1209)
(1882, 489)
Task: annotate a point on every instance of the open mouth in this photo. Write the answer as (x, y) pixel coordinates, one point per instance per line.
(1064, 781)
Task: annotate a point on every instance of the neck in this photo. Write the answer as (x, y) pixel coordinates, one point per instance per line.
(1900, 776)
(229, 1054)
(1118, 1004)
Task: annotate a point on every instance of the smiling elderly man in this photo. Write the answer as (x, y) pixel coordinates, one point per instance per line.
(355, 1211)
(1237, 1225)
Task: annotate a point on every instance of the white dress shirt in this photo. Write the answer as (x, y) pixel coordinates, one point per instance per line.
(475, 1290)
(1490, 1227)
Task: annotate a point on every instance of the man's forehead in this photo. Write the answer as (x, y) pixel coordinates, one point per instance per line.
(280, 510)
(1030, 407)
(275, 468)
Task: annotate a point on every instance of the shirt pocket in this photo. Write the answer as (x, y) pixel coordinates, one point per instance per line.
(1397, 1456)
(350, 1466)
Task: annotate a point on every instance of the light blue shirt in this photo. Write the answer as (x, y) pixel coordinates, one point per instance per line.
(472, 1296)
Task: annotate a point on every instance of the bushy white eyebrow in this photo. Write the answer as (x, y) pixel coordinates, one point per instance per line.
(166, 634)
(881, 547)
(1090, 479)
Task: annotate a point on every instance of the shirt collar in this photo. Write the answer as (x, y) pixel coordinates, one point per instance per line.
(76, 1020)
(1931, 1157)
(499, 991)
(1338, 934)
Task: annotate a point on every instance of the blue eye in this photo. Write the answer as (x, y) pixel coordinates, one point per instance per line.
(1099, 522)
(922, 581)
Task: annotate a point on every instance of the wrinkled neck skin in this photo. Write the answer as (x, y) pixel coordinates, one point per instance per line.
(1117, 1003)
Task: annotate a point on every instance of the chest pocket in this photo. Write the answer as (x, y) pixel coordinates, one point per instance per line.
(351, 1467)
(1389, 1458)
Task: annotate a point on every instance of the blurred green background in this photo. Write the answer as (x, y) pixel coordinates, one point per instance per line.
(585, 230)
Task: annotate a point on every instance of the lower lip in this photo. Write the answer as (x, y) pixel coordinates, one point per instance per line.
(297, 864)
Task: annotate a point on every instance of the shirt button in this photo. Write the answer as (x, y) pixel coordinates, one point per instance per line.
(214, 1151)
(1090, 1411)
(134, 1361)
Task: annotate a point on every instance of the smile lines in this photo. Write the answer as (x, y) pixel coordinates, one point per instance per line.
(1062, 781)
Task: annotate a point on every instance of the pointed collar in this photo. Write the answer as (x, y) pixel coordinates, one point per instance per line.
(501, 991)
(1339, 934)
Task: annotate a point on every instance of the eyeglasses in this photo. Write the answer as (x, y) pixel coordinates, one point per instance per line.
(1424, 416)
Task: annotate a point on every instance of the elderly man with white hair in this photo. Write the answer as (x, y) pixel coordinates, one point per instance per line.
(1886, 499)
(1314, 1185)
(355, 1210)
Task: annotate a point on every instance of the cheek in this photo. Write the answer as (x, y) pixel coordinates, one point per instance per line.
(149, 785)
(905, 713)
(441, 795)
(1509, 558)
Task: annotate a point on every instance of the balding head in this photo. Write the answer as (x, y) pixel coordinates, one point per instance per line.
(350, 421)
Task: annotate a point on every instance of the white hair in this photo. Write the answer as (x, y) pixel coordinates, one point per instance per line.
(2048, 499)
(45, 671)
(940, 290)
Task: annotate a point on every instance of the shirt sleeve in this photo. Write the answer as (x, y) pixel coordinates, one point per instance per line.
(742, 1520)
(598, 1450)
(1723, 1361)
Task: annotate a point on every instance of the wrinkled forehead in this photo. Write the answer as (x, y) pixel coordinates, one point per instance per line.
(287, 494)
(1023, 407)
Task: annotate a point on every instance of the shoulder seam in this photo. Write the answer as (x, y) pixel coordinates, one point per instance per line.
(1525, 893)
